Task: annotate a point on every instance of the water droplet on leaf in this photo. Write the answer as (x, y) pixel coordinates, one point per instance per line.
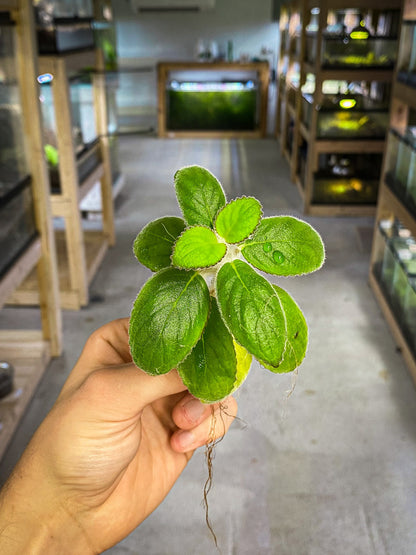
(267, 247)
(278, 257)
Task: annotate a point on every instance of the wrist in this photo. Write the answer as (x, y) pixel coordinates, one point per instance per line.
(32, 521)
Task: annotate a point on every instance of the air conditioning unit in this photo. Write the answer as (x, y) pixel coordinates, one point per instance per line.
(172, 5)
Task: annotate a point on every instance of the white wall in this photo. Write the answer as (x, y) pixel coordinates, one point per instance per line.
(153, 37)
(173, 36)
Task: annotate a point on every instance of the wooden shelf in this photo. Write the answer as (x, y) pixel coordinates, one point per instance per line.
(393, 325)
(390, 206)
(340, 210)
(20, 270)
(29, 354)
(317, 146)
(95, 245)
(405, 93)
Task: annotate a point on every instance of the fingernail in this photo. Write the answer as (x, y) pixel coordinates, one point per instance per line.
(186, 439)
(193, 409)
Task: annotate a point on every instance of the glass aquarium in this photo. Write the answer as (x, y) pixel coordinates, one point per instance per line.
(355, 38)
(407, 54)
(105, 40)
(63, 25)
(350, 110)
(84, 130)
(347, 179)
(17, 224)
(13, 164)
(401, 166)
(207, 105)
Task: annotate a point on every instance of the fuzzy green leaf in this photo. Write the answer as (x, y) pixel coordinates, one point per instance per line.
(244, 359)
(167, 319)
(252, 311)
(199, 194)
(153, 246)
(238, 219)
(198, 247)
(297, 334)
(284, 246)
(210, 370)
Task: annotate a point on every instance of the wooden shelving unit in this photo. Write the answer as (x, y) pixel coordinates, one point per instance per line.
(79, 252)
(300, 141)
(394, 204)
(30, 351)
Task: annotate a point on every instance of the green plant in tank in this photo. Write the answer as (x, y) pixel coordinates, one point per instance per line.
(207, 311)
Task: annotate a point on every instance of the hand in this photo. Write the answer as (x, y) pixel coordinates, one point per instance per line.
(107, 454)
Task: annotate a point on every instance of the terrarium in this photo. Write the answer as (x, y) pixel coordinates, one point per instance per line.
(347, 178)
(63, 25)
(84, 131)
(212, 105)
(409, 312)
(404, 268)
(350, 110)
(17, 225)
(355, 38)
(407, 54)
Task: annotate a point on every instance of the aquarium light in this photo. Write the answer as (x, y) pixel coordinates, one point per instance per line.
(360, 32)
(347, 103)
(45, 78)
(191, 86)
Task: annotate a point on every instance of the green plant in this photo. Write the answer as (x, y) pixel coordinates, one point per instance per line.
(207, 311)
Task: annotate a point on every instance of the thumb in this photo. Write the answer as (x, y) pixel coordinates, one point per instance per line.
(129, 389)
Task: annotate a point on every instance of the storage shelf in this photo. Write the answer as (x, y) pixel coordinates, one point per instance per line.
(308, 132)
(95, 244)
(20, 270)
(74, 61)
(391, 206)
(393, 325)
(29, 354)
(405, 93)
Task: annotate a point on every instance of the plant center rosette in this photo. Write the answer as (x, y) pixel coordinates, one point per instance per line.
(207, 311)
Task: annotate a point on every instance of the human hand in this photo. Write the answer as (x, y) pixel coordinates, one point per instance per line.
(107, 454)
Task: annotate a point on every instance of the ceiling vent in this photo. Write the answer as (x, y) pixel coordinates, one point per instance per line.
(159, 6)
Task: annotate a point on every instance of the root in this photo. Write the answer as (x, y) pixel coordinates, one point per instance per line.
(209, 457)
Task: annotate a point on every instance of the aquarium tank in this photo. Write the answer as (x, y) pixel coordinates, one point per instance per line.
(63, 25)
(84, 130)
(349, 110)
(347, 178)
(17, 223)
(212, 105)
(355, 38)
(407, 54)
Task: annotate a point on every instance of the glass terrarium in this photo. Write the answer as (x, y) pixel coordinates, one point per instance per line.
(213, 104)
(84, 131)
(63, 25)
(17, 224)
(13, 164)
(409, 312)
(407, 54)
(105, 40)
(347, 179)
(350, 110)
(354, 38)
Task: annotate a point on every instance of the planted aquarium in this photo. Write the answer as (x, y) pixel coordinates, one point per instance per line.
(212, 105)
(354, 38)
(407, 54)
(401, 166)
(105, 40)
(347, 179)
(13, 164)
(63, 25)
(350, 110)
(84, 131)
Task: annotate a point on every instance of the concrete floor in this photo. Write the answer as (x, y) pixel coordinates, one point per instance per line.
(330, 470)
